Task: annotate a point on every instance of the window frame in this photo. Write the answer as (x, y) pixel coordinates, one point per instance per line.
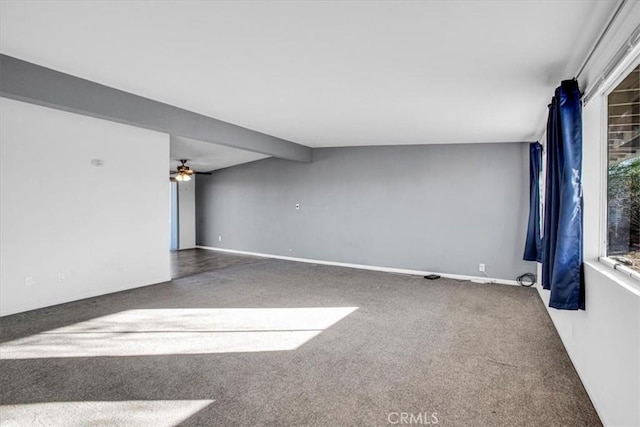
(622, 70)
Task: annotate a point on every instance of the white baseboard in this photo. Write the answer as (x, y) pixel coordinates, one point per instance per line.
(475, 279)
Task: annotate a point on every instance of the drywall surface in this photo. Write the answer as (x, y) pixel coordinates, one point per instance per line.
(24, 81)
(441, 208)
(71, 229)
(603, 343)
(187, 213)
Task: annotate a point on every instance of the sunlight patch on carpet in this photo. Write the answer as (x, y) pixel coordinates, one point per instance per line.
(157, 413)
(180, 331)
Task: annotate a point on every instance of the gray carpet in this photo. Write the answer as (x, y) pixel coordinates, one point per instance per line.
(466, 354)
(191, 261)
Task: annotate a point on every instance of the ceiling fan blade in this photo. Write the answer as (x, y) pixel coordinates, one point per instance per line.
(203, 173)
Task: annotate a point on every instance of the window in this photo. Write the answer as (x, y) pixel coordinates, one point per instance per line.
(623, 184)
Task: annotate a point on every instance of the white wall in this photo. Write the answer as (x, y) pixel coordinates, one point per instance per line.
(187, 214)
(78, 230)
(603, 341)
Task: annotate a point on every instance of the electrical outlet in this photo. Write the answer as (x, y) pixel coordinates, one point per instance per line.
(297, 206)
(61, 277)
(28, 280)
(481, 268)
(219, 238)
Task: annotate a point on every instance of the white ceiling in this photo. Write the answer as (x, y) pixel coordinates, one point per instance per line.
(324, 73)
(205, 157)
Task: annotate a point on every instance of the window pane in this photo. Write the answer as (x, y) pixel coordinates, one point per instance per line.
(624, 172)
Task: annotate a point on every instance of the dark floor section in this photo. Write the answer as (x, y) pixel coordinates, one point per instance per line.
(192, 261)
(466, 354)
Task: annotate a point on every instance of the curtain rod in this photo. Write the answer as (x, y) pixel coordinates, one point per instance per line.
(593, 50)
(630, 44)
(600, 38)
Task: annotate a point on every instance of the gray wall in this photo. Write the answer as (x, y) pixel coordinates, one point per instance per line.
(442, 208)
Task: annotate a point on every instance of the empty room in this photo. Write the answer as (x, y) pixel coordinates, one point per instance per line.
(320, 213)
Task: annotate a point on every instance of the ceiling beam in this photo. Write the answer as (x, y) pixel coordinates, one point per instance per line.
(28, 82)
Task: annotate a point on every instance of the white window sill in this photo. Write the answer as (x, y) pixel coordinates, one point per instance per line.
(609, 262)
(620, 273)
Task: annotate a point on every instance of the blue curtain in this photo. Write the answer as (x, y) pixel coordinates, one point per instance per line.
(562, 238)
(533, 244)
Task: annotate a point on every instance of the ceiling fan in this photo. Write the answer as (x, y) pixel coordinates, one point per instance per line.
(184, 172)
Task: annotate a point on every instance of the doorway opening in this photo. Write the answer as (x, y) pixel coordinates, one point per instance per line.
(175, 227)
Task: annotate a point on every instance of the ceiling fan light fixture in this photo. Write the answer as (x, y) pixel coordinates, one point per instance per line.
(184, 172)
